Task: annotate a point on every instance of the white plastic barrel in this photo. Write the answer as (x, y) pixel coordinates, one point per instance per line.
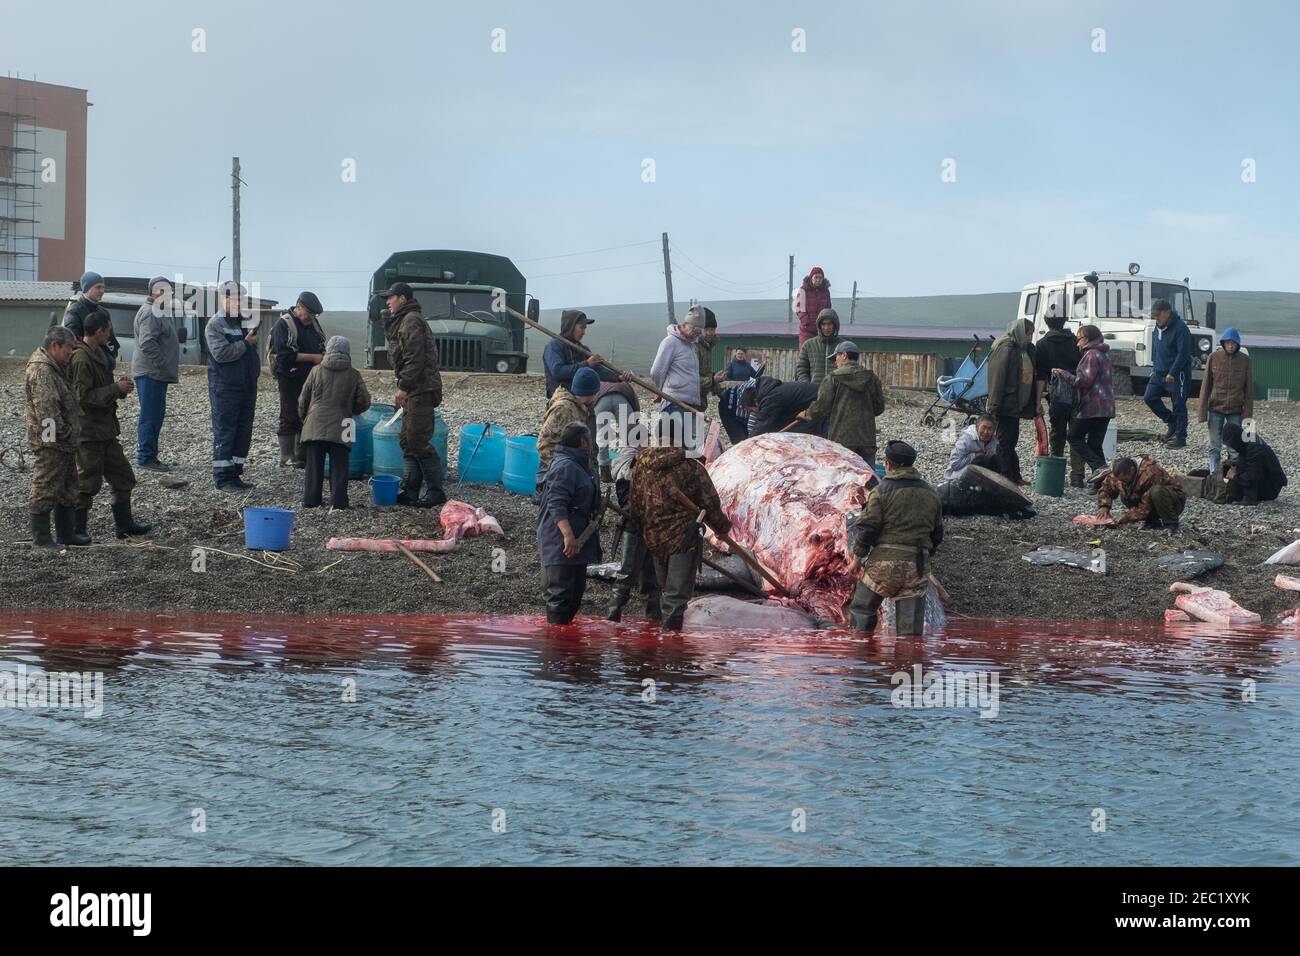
(1108, 443)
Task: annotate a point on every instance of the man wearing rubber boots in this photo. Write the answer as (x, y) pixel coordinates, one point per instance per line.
(414, 355)
(670, 526)
(53, 428)
(897, 532)
(570, 504)
(637, 567)
(297, 346)
(99, 451)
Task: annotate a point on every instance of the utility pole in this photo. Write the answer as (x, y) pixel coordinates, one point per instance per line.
(853, 306)
(789, 299)
(234, 188)
(668, 278)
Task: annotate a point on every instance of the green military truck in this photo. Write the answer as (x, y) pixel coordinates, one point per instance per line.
(462, 295)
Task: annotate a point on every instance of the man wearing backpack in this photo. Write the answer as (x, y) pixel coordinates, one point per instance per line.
(1058, 349)
(297, 346)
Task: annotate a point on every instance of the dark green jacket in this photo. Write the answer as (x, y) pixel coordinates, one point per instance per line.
(97, 393)
(814, 362)
(1011, 374)
(852, 397)
(902, 517)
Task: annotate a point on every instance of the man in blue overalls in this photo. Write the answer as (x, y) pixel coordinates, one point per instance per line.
(233, 372)
(1171, 372)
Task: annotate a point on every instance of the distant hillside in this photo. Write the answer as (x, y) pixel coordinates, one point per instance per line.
(629, 334)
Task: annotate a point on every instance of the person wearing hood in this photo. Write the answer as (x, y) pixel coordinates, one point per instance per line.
(561, 361)
(1149, 493)
(1171, 372)
(87, 304)
(1011, 392)
(331, 395)
(53, 433)
(1059, 348)
(730, 410)
(99, 451)
(297, 346)
(773, 404)
(669, 526)
(1091, 379)
(897, 533)
(567, 408)
(852, 398)
(1227, 393)
(814, 362)
(676, 373)
(1257, 472)
(233, 372)
(976, 445)
(413, 352)
(813, 297)
(154, 366)
(570, 502)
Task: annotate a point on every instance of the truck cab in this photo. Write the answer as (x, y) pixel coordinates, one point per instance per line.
(1119, 303)
(464, 297)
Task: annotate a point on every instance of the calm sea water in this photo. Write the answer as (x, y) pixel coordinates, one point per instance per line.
(480, 740)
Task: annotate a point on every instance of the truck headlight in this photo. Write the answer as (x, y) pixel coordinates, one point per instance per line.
(1203, 344)
(503, 366)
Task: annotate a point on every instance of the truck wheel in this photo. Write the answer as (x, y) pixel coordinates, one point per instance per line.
(1122, 380)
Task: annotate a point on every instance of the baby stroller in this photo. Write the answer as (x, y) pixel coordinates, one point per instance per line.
(965, 392)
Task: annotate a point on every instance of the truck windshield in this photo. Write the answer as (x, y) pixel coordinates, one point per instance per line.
(1124, 299)
(477, 305)
(434, 304)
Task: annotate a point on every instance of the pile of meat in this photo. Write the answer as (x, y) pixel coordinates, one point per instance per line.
(790, 498)
(458, 519)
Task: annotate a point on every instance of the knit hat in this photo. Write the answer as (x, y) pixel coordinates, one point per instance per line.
(1230, 334)
(694, 317)
(157, 281)
(586, 383)
(309, 302)
(900, 453)
(710, 320)
(338, 343)
(89, 280)
(816, 271)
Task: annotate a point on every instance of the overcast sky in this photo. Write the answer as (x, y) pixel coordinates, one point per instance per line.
(1066, 158)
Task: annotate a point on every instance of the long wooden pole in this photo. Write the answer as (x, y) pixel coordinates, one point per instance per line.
(636, 379)
(745, 556)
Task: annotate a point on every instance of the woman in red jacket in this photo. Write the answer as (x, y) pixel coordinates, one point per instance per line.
(813, 296)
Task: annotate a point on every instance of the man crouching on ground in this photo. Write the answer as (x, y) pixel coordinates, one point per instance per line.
(901, 527)
(668, 525)
(1150, 494)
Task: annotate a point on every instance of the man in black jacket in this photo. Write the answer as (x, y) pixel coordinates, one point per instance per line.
(86, 305)
(1057, 349)
(1258, 473)
(776, 404)
(297, 345)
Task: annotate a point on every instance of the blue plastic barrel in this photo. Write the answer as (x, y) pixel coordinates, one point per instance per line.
(520, 469)
(386, 441)
(267, 529)
(383, 490)
(482, 454)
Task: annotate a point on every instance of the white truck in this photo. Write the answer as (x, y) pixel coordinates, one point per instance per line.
(1119, 304)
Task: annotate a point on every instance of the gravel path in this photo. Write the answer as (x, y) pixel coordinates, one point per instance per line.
(980, 563)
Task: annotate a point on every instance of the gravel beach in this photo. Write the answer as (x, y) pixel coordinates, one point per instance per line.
(980, 563)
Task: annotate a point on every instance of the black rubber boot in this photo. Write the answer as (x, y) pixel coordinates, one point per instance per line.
(622, 594)
(65, 526)
(299, 452)
(286, 450)
(81, 517)
(605, 474)
(125, 525)
(433, 493)
(909, 615)
(41, 530)
(409, 493)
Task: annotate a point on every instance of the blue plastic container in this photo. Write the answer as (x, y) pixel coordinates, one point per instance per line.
(482, 454)
(522, 461)
(880, 470)
(387, 456)
(362, 454)
(383, 490)
(267, 529)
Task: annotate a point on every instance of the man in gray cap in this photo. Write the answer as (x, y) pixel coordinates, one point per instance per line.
(297, 345)
(851, 396)
(85, 305)
(154, 366)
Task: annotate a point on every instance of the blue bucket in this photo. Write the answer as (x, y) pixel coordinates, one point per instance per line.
(267, 529)
(880, 470)
(383, 490)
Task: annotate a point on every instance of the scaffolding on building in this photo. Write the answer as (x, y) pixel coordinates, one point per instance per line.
(18, 168)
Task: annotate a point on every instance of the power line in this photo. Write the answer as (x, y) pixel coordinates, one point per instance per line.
(589, 252)
(178, 265)
(552, 275)
(717, 288)
(678, 250)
